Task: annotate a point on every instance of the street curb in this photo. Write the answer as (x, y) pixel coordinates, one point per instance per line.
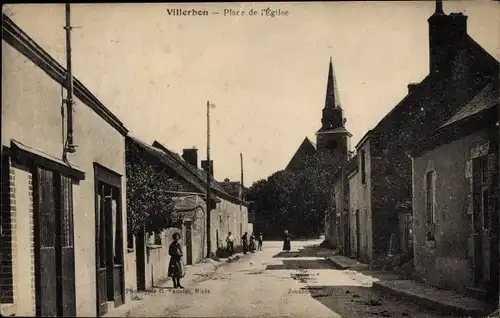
(336, 264)
(443, 308)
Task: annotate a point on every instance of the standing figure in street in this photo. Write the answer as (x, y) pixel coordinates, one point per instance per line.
(252, 243)
(230, 243)
(260, 241)
(176, 267)
(244, 240)
(286, 242)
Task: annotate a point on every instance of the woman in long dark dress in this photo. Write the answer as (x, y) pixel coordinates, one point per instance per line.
(287, 242)
(244, 239)
(175, 267)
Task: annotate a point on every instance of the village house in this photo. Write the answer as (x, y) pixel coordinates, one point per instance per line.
(455, 193)
(381, 189)
(148, 252)
(230, 214)
(63, 224)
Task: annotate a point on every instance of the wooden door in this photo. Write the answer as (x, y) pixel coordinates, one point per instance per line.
(45, 245)
(54, 251)
(101, 246)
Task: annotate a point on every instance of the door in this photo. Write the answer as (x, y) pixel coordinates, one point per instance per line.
(110, 274)
(100, 244)
(189, 243)
(45, 242)
(54, 251)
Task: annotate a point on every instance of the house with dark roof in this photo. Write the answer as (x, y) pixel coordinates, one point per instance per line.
(63, 224)
(455, 206)
(380, 217)
(229, 212)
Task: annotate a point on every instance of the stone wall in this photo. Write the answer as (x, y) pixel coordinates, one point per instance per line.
(447, 262)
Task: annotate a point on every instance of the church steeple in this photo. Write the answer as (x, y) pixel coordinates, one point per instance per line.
(332, 112)
(332, 95)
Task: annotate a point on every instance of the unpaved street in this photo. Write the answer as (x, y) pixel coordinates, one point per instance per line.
(273, 284)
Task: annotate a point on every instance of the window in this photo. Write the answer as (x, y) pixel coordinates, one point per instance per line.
(429, 181)
(363, 163)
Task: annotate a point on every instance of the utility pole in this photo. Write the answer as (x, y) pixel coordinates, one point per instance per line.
(69, 147)
(241, 187)
(209, 241)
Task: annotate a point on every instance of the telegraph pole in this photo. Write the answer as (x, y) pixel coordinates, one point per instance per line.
(209, 241)
(242, 187)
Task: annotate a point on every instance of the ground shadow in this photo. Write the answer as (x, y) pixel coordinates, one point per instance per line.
(306, 251)
(294, 264)
(358, 301)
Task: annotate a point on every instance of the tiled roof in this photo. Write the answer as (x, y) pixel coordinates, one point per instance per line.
(487, 98)
(168, 160)
(198, 174)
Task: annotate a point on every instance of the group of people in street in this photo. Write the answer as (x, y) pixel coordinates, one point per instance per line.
(250, 244)
(176, 268)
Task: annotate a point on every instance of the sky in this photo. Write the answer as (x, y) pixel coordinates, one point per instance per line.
(266, 75)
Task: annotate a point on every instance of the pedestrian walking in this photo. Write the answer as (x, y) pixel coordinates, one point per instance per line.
(244, 240)
(230, 243)
(176, 267)
(260, 239)
(287, 242)
(252, 243)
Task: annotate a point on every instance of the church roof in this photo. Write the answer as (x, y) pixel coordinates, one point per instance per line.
(307, 147)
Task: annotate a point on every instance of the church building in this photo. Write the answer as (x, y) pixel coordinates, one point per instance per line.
(332, 136)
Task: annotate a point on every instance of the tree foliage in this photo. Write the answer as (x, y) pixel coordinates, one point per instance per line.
(294, 200)
(149, 203)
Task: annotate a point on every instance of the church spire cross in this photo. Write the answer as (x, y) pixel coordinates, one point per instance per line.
(332, 94)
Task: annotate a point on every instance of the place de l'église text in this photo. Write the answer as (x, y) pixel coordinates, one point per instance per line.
(268, 12)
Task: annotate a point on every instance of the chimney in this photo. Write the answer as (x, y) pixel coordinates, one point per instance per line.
(191, 156)
(205, 167)
(226, 180)
(411, 87)
(445, 32)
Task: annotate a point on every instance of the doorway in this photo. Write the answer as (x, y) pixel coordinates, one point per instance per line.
(54, 248)
(110, 285)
